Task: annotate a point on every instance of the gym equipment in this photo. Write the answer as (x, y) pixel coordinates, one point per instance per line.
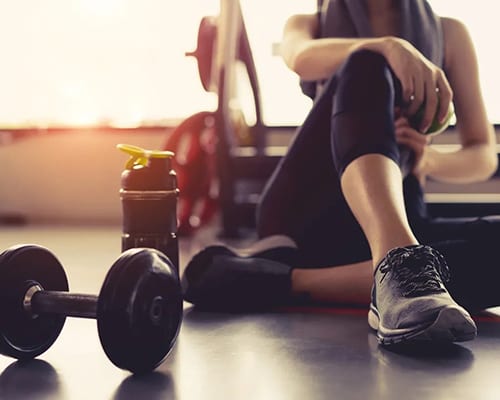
(194, 142)
(149, 201)
(242, 166)
(204, 52)
(138, 310)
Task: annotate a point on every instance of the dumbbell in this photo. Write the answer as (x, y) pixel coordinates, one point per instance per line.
(138, 310)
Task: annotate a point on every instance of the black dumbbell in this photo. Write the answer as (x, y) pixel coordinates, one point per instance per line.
(138, 310)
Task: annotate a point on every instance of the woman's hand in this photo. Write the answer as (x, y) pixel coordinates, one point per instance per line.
(422, 82)
(417, 142)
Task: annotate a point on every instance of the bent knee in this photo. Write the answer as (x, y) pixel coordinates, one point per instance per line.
(365, 82)
(365, 60)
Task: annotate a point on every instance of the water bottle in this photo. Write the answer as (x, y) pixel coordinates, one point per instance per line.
(149, 201)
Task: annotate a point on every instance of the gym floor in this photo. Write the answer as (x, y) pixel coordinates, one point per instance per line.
(316, 353)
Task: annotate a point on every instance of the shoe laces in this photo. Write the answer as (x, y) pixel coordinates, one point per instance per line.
(418, 270)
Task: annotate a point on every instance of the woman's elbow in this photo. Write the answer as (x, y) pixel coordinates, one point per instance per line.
(492, 164)
(297, 60)
(489, 163)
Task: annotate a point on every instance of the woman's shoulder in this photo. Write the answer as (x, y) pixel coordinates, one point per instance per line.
(453, 26)
(303, 20)
(457, 39)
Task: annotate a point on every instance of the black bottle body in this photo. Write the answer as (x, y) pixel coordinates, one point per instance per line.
(149, 203)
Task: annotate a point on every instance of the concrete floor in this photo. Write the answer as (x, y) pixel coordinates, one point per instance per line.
(294, 354)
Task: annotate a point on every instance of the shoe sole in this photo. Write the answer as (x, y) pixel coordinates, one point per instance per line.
(450, 325)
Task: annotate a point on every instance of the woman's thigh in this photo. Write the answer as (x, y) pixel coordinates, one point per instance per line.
(305, 182)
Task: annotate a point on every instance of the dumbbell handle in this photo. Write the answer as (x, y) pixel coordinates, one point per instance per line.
(62, 303)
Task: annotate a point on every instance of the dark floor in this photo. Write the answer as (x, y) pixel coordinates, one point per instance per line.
(295, 354)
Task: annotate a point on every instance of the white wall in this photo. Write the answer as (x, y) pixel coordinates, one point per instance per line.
(67, 177)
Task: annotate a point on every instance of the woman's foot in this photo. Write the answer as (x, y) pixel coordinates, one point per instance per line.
(217, 278)
(411, 303)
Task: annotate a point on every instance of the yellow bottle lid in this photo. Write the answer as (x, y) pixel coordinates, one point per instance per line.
(140, 156)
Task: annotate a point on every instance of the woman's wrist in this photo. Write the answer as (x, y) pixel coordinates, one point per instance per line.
(428, 161)
(384, 45)
(380, 45)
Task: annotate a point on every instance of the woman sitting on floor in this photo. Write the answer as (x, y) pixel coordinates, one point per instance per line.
(342, 219)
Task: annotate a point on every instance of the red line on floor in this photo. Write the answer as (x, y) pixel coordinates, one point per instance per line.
(483, 317)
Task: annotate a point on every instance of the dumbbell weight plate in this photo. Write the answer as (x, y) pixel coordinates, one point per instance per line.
(139, 310)
(23, 335)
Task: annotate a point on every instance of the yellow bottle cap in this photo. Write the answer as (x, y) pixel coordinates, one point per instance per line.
(140, 156)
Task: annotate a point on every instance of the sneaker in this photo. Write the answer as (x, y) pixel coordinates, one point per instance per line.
(219, 279)
(410, 302)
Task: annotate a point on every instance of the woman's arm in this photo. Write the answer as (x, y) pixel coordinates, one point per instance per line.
(477, 159)
(316, 59)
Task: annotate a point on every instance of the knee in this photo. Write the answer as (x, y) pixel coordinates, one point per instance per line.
(365, 80)
(365, 61)
(366, 66)
(365, 57)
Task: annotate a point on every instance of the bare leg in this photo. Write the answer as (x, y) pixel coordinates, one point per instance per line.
(372, 186)
(346, 284)
(410, 300)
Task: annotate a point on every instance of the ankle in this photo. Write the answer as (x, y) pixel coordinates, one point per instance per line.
(381, 251)
(297, 281)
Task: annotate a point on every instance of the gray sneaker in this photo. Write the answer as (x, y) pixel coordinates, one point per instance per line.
(411, 303)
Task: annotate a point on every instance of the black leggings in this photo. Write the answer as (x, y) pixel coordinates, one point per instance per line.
(303, 199)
